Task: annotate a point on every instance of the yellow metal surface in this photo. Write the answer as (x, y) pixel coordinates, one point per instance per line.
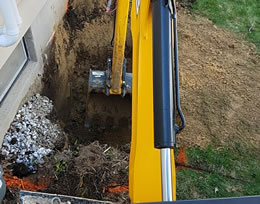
(145, 169)
(119, 45)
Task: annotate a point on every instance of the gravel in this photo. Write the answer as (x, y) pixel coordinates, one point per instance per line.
(32, 135)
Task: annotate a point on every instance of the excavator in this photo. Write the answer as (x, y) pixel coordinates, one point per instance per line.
(155, 95)
(154, 85)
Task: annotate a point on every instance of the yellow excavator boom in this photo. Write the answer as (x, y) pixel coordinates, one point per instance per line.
(122, 10)
(145, 168)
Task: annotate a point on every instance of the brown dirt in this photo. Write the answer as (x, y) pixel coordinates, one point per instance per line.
(89, 171)
(82, 42)
(219, 85)
(219, 80)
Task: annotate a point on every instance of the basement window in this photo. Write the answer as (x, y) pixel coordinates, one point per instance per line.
(12, 68)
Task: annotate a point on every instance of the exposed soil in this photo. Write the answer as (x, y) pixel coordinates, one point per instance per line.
(91, 171)
(219, 80)
(82, 43)
(219, 95)
(219, 85)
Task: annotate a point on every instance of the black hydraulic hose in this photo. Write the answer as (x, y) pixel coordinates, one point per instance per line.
(176, 62)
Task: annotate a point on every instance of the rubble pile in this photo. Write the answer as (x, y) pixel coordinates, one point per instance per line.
(32, 135)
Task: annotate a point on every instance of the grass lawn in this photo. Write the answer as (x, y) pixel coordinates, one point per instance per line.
(219, 173)
(232, 170)
(241, 16)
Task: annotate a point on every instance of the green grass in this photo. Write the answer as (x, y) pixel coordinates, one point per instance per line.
(223, 173)
(233, 170)
(241, 16)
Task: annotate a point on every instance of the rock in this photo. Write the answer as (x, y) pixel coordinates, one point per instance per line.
(20, 170)
(32, 136)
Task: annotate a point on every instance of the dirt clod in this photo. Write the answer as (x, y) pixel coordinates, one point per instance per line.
(95, 168)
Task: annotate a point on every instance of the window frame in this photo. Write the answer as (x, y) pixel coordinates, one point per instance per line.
(18, 71)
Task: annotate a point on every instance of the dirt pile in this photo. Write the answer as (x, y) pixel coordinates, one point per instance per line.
(93, 171)
(220, 75)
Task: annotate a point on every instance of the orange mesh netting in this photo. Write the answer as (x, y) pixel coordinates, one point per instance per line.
(115, 188)
(118, 189)
(13, 181)
(181, 158)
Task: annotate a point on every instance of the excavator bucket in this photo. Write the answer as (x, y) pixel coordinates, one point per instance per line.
(113, 111)
(115, 80)
(109, 116)
(98, 82)
(105, 110)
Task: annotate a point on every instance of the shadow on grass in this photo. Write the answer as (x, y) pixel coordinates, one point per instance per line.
(227, 172)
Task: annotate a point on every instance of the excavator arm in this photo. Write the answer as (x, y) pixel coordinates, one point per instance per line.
(155, 102)
(153, 95)
(154, 84)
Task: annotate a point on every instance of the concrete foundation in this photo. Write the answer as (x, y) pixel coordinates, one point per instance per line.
(40, 18)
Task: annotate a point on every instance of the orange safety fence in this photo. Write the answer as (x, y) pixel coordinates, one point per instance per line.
(115, 188)
(15, 182)
(181, 160)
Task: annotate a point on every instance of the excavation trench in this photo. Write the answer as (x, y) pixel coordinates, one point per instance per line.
(82, 42)
(97, 127)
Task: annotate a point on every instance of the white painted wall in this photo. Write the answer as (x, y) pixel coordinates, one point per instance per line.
(29, 9)
(41, 16)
